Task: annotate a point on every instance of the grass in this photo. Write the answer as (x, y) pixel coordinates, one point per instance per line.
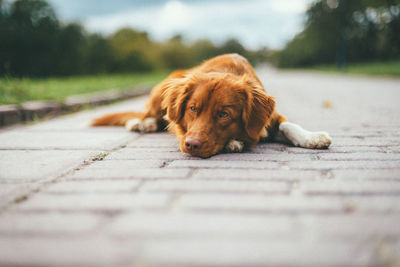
(388, 68)
(17, 91)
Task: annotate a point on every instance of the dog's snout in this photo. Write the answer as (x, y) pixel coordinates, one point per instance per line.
(192, 144)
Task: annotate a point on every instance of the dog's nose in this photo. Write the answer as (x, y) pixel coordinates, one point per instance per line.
(192, 144)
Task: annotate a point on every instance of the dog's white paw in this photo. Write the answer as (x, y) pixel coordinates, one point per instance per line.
(317, 140)
(303, 138)
(133, 125)
(234, 146)
(145, 126)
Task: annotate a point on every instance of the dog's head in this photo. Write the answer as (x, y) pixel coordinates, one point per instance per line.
(208, 110)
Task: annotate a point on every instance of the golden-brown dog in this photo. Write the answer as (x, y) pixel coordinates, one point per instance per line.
(217, 106)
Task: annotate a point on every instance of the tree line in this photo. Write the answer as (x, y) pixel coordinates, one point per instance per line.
(35, 43)
(341, 31)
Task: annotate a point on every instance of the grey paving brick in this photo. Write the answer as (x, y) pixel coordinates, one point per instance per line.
(98, 186)
(32, 165)
(218, 202)
(207, 186)
(334, 164)
(51, 224)
(195, 225)
(140, 154)
(126, 165)
(156, 140)
(93, 202)
(373, 204)
(257, 174)
(234, 252)
(263, 157)
(139, 173)
(361, 227)
(360, 156)
(22, 171)
(63, 140)
(45, 251)
(367, 141)
(223, 164)
(350, 187)
(366, 174)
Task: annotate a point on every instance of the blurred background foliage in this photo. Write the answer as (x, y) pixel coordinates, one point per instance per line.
(343, 31)
(35, 43)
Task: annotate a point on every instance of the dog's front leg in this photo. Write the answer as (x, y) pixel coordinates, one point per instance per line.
(234, 146)
(303, 138)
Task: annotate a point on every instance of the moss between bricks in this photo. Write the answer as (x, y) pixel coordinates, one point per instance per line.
(98, 157)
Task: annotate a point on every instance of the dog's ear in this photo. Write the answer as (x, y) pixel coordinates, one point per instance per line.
(257, 109)
(176, 93)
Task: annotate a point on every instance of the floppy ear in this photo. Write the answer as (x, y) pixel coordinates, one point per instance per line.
(258, 108)
(176, 94)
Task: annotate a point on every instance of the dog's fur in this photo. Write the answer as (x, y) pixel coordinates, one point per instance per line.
(217, 106)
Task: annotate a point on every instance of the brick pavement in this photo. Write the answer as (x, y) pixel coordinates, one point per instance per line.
(147, 204)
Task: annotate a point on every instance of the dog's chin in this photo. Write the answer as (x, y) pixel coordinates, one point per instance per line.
(201, 153)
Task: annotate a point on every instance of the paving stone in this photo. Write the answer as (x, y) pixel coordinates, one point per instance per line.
(99, 186)
(343, 187)
(368, 141)
(361, 227)
(138, 173)
(140, 154)
(22, 171)
(281, 157)
(272, 203)
(18, 166)
(223, 164)
(366, 174)
(209, 186)
(56, 251)
(195, 225)
(256, 174)
(93, 202)
(126, 165)
(334, 164)
(51, 224)
(156, 140)
(52, 140)
(249, 252)
(361, 156)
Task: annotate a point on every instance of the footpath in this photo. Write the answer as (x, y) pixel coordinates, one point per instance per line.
(71, 195)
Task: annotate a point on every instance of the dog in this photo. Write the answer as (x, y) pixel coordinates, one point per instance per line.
(218, 106)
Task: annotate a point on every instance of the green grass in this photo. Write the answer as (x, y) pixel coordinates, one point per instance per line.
(17, 91)
(388, 68)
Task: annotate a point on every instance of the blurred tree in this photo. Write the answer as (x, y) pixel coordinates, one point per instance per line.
(176, 55)
(99, 55)
(28, 31)
(232, 46)
(202, 50)
(131, 50)
(34, 43)
(340, 30)
(70, 51)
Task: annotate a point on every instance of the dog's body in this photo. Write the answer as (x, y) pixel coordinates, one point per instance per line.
(217, 106)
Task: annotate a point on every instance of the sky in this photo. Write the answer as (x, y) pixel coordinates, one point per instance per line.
(255, 23)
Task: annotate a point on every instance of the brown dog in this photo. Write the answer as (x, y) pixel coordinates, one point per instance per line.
(217, 106)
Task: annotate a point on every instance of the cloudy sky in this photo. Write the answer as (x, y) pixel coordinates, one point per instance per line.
(255, 23)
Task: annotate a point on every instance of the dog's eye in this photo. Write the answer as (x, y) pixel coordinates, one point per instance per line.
(193, 108)
(223, 114)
